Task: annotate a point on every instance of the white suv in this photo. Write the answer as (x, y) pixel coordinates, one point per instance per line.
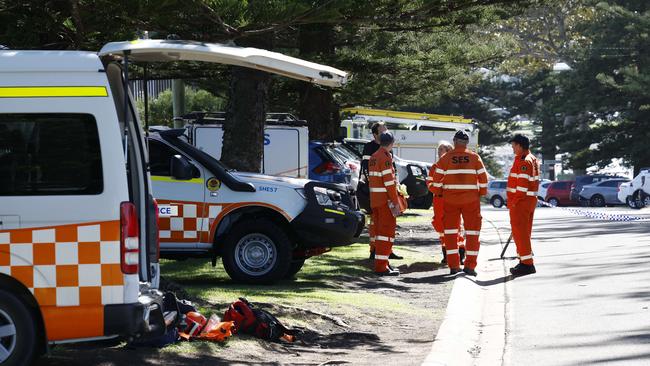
(640, 189)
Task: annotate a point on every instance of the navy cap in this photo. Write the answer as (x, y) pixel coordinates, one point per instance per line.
(461, 135)
(521, 140)
(386, 138)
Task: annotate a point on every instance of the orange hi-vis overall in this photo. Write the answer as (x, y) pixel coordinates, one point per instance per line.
(382, 183)
(438, 212)
(523, 184)
(461, 179)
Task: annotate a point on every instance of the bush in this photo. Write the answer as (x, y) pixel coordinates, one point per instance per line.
(161, 111)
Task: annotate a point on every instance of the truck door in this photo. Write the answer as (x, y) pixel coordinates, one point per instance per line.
(178, 186)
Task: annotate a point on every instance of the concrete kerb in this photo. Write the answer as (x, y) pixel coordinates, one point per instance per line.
(474, 330)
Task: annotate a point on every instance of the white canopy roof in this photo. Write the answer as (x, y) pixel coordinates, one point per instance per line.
(155, 50)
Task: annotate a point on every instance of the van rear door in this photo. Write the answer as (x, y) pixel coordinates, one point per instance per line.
(156, 50)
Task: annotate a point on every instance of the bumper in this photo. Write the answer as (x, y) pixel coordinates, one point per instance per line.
(144, 318)
(327, 226)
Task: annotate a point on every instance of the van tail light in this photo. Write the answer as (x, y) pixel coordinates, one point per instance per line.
(327, 167)
(129, 238)
(155, 207)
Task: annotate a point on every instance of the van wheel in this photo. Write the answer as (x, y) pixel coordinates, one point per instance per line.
(554, 202)
(630, 202)
(257, 251)
(294, 268)
(597, 201)
(497, 201)
(17, 331)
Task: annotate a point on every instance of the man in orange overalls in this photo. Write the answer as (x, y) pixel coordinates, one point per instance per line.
(523, 184)
(461, 179)
(384, 203)
(438, 207)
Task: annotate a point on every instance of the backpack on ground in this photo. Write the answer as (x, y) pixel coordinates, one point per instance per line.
(260, 323)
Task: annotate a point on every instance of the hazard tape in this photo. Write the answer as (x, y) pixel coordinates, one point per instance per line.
(599, 215)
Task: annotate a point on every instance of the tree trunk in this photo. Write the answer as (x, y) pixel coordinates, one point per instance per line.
(243, 130)
(317, 105)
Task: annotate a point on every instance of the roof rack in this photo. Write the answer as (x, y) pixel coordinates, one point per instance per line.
(218, 117)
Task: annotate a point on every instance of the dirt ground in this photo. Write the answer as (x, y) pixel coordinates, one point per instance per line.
(345, 314)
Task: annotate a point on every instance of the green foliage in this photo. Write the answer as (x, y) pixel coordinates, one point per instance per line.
(161, 108)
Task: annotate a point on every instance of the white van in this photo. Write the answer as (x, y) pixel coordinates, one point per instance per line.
(78, 223)
(286, 141)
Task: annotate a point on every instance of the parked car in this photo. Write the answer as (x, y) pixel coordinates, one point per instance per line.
(583, 180)
(350, 160)
(326, 166)
(497, 192)
(263, 227)
(640, 189)
(602, 193)
(559, 193)
(624, 194)
(543, 188)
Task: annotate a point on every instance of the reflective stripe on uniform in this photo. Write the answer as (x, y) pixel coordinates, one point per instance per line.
(381, 257)
(514, 175)
(378, 190)
(440, 171)
(460, 171)
(511, 190)
(525, 257)
(532, 179)
(389, 183)
(451, 231)
(429, 178)
(460, 186)
(524, 176)
(386, 172)
(472, 232)
(437, 184)
(384, 238)
(522, 189)
(480, 171)
(374, 174)
(482, 185)
(366, 157)
(471, 252)
(452, 251)
(531, 193)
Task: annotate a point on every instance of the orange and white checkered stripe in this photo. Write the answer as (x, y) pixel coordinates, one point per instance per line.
(69, 265)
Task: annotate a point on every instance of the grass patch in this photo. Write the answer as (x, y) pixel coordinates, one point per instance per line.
(415, 216)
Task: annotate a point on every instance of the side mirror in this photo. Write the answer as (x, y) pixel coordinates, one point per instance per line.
(181, 168)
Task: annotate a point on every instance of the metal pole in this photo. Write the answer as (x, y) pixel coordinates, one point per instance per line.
(178, 101)
(146, 99)
(503, 252)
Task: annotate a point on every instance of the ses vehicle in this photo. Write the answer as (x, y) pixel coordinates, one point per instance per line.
(286, 141)
(412, 174)
(602, 193)
(78, 222)
(263, 227)
(416, 134)
(328, 164)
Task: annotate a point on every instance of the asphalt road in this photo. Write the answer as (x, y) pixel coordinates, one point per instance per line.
(589, 302)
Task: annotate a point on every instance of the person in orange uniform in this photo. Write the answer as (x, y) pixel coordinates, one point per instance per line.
(461, 179)
(438, 207)
(384, 203)
(523, 183)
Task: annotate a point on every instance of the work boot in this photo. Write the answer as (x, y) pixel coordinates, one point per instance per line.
(522, 270)
(372, 255)
(469, 271)
(453, 271)
(461, 252)
(444, 256)
(390, 271)
(395, 256)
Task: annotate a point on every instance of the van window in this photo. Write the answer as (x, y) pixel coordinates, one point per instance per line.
(49, 154)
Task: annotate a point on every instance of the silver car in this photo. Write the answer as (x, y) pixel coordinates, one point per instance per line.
(497, 192)
(602, 193)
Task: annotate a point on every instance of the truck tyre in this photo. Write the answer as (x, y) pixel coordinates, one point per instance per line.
(294, 268)
(497, 201)
(554, 202)
(630, 202)
(18, 344)
(640, 199)
(257, 252)
(597, 201)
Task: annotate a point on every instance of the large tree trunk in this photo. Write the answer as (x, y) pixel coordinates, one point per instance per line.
(243, 130)
(317, 105)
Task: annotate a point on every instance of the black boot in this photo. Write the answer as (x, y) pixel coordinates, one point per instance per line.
(469, 272)
(453, 271)
(395, 256)
(461, 251)
(390, 271)
(444, 256)
(522, 270)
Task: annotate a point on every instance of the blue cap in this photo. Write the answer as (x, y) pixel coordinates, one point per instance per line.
(386, 138)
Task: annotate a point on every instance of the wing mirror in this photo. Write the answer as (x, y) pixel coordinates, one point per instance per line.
(181, 168)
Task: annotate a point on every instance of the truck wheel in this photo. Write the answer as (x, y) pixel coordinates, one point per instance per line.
(295, 267)
(497, 201)
(640, 199)
(554, 202)
(17, 331)
(597, 201)
(257, 251)
(630, 202)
